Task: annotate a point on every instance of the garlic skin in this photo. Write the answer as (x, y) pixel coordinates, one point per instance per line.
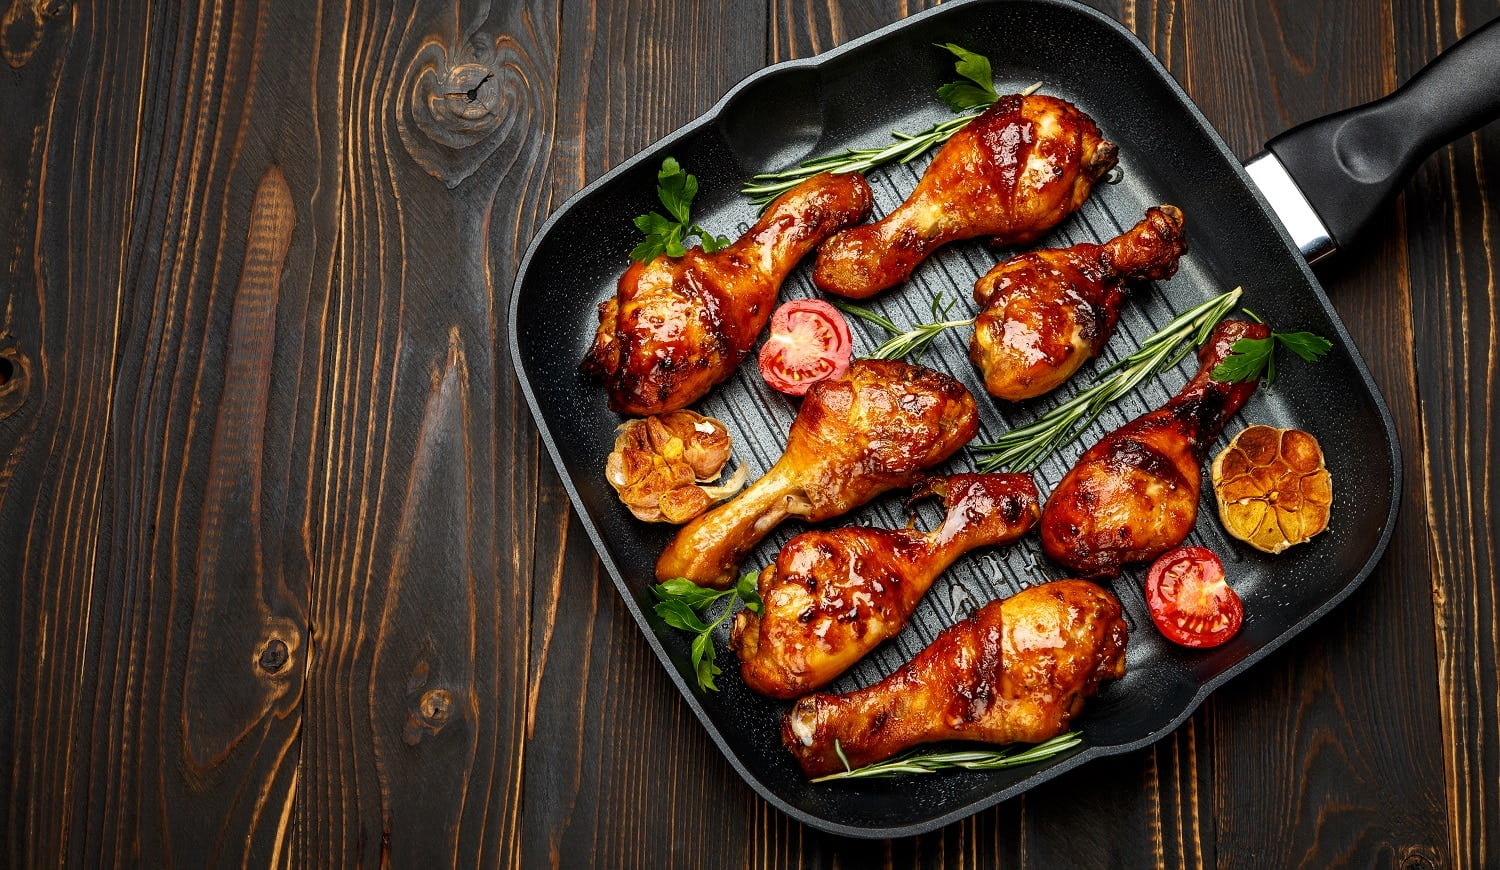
(660, 466)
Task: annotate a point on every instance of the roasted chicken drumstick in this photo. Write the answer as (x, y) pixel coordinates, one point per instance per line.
(832, 596)
(868, 431)
(1012, 173)
(679, 325)
(1134, 495)
(1018, 670)
(1047, 312)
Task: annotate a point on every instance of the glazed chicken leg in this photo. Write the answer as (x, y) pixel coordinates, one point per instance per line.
(1012, 173)
(1016, 671)
(679, 325)
(868, 431)
(832, 596)
(1047, 312)
(1134, 495)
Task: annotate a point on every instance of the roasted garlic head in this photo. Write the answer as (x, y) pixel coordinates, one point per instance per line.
(1273, 488)
(659, 466)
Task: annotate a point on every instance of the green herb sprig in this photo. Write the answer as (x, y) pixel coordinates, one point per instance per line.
(974, 759)
(1249, 357)
(1024, 449)
(906, 342)
(977, 91)
(681, 604)
(667, 235)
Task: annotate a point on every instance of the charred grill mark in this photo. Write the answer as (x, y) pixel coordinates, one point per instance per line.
(1125, 453)
(1205, 416)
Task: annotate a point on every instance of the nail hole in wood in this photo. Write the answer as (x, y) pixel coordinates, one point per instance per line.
(7, 370)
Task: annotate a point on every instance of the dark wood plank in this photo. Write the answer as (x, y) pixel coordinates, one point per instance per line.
(150, 508)
(252, 442)
(618, 772)
(1326, 752)
(420, 607)
(1452, 210)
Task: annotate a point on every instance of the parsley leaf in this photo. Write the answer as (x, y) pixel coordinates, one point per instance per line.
(1307, 345)
(681, 604)
(961, 95)
(1250, 357)
(676, 190)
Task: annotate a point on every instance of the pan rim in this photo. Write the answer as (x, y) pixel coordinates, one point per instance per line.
(1090, 753)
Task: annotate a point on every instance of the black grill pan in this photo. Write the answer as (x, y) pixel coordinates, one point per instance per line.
(854, 96)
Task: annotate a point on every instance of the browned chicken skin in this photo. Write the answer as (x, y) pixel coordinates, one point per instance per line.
(1016, 671)
(679, 325)
(832, 596)
(1047, 312)
(868, 431)
(1134, 495)
(1012, 173)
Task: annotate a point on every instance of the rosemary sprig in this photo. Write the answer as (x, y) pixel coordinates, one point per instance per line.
(1024, 449)
(907, 147)
(681, 604)
(977, 92)
(972, 759)
(905, 342)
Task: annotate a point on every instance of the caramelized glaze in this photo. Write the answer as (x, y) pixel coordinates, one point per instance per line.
(832, 596)
(679, 325)
(1134, 495)
(1047, 312)
(868, 431)
(1018, 670)
(1012, 173)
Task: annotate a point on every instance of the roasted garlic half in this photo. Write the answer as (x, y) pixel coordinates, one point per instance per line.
(1273, 488)
(660, 466)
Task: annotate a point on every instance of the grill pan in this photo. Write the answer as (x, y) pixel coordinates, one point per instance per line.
(853, 96)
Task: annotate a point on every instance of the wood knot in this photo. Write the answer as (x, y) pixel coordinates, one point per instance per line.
(21, 27)
(15, 380)
(434, 710)
(274, 655)
(461, 103)
(1419, 857)
(468, 98)
(436, 705)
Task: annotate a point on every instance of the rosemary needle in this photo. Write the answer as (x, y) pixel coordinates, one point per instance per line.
(910, 342)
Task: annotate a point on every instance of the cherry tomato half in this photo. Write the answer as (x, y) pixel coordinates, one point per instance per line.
(809, 342)
(1190, 601)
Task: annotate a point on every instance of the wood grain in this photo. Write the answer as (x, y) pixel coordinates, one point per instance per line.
(1456, 299)
(286, 578)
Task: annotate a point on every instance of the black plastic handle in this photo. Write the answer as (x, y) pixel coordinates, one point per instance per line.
(1350, 162)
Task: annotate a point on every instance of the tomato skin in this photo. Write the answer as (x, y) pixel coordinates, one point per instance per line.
(1189, 599)
(809, 342)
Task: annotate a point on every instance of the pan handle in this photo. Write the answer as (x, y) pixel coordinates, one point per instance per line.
(1349, 163)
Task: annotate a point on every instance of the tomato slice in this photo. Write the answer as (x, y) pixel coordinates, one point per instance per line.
(809, 342)
(1190, 601)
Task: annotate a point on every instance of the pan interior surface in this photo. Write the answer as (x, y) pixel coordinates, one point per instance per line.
(854, 97)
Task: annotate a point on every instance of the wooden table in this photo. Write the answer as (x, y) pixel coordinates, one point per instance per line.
(284, 575)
